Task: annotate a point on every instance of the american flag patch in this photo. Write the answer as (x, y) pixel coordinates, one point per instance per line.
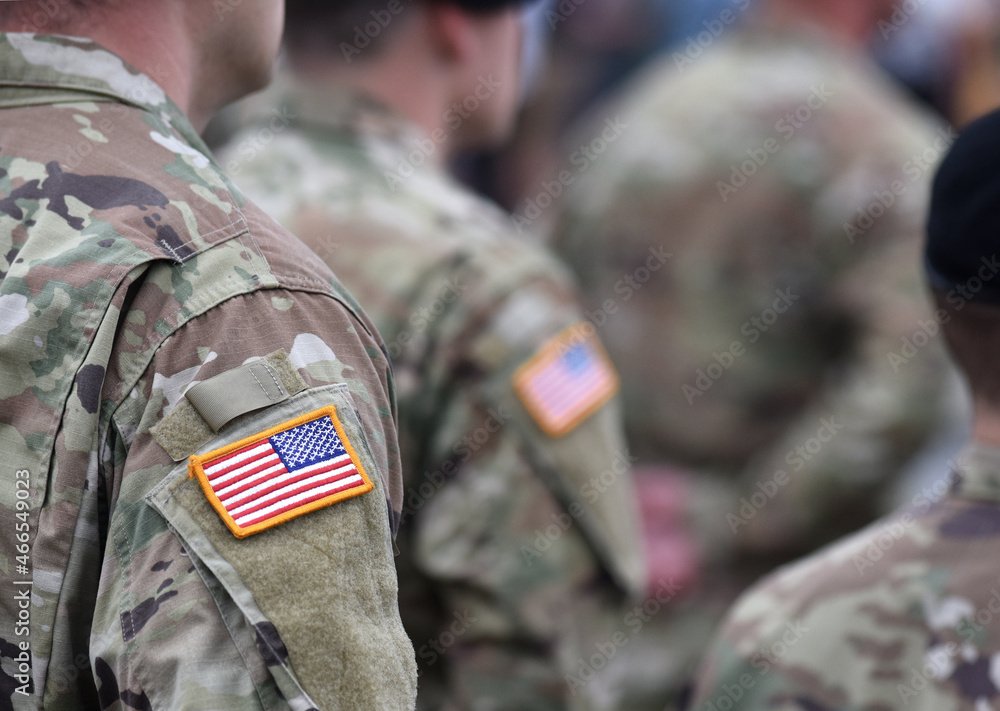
(274, 476)
(566, 381)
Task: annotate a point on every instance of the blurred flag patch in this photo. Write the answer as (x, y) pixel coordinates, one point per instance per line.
(566, 381)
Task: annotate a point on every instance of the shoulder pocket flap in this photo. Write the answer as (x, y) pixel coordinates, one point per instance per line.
(301, 576)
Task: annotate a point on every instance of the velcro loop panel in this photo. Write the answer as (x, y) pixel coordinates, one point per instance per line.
(211, 404)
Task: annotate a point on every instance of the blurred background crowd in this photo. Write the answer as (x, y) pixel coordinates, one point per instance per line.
(739, 188)
(666, 413)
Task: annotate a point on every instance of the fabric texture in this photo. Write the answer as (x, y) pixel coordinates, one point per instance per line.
(901, 615)
(749, 250)
(518, 548)
(130, 270)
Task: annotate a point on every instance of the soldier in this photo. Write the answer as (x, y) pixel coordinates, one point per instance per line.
(744, 221)
(200, 469)
(521, 535)
(903, 615)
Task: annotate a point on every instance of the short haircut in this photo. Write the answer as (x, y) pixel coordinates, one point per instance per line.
(972, 331)
(356, 28)
(349, 27)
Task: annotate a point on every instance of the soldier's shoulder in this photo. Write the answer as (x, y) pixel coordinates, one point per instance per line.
(900, 611)
(367, 204)
(362, 178)
(854, 567)
(120, 176)
(139, 198)
(762, 78)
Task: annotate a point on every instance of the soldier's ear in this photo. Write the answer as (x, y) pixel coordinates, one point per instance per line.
(452, 31)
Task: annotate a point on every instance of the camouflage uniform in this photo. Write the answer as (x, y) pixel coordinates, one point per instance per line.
(787, 182)
(901, 615)
(518, 545)
(132, 272)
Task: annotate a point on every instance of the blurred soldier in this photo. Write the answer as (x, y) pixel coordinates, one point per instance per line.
(744, 222)
(522, 539)
(200, 468)
(905, 614)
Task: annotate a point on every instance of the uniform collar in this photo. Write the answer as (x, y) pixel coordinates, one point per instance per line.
(353, 113)
(46, 69)
(978, 472)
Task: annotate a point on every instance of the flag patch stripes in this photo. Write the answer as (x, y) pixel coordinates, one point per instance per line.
(566, 381)
(274, 476)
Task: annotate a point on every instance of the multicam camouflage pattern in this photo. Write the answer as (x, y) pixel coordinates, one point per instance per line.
(772, 352)
(903, 615)
(516, 547)
(130, 270)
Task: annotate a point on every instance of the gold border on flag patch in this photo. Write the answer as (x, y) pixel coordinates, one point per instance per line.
(557, 398)
(271, 477)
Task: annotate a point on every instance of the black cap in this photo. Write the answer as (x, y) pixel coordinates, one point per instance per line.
(963, 229)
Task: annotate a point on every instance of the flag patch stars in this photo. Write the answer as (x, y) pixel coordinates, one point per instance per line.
(566, 381)
(287, 471)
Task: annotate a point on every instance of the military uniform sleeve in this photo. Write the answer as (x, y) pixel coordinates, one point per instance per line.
(221, 588)
(896, 616)
(526, 527)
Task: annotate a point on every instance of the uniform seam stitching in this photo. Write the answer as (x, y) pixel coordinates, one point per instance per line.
(260, 384)
(271, 372)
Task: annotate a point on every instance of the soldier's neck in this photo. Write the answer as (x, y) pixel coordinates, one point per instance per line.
(986, 424)
(849, 22)
(160, 48)
(419, 95)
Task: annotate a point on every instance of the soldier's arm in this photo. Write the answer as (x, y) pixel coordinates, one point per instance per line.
(221, 589)
(859, 624)
(531, 537)
(749, 666)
